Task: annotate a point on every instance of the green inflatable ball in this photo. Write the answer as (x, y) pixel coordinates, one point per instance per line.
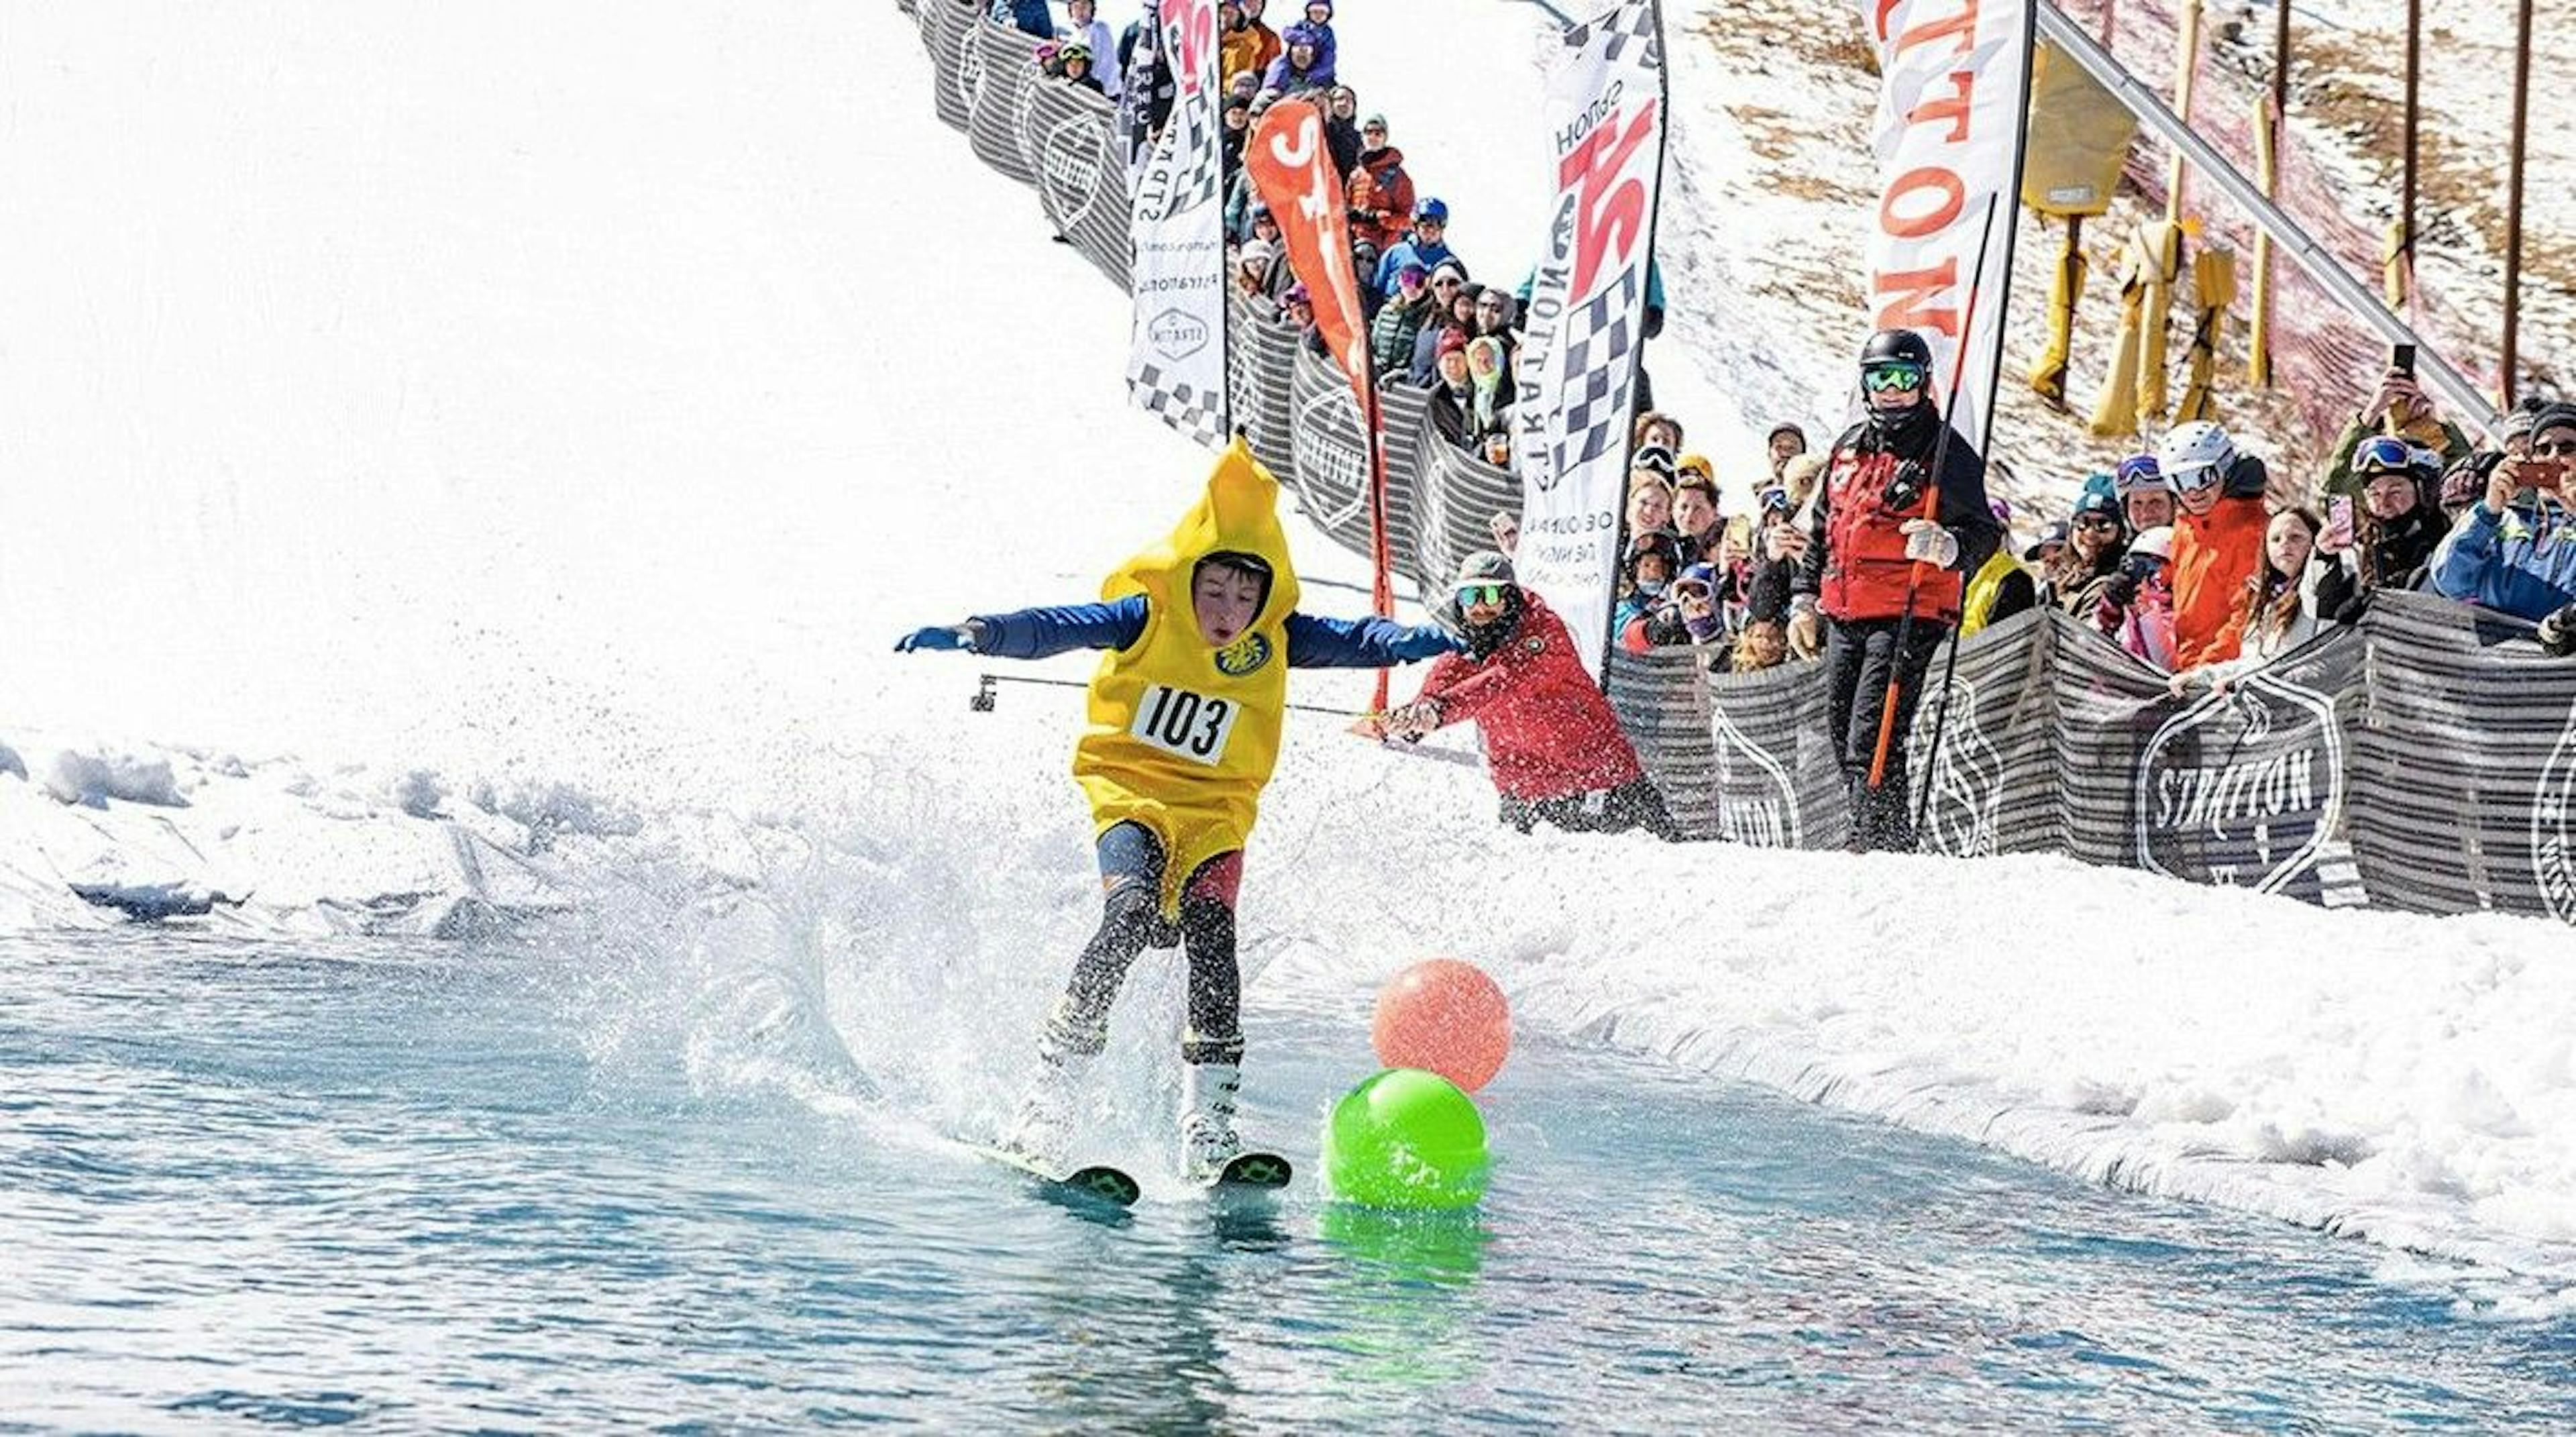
(1406, 1140)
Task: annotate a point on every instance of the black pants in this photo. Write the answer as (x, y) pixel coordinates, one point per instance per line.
(1131, 920)
(1634, 804)
(1858, 656)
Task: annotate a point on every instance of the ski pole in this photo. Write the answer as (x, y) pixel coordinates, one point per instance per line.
(981, 701)
(1931, 512)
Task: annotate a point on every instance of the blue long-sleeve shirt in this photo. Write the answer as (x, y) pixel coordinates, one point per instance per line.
(2521, 563)
(1313, 642)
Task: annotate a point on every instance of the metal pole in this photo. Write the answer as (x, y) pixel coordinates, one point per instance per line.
(2321, 264)
(2401, 263)
(2513, 203)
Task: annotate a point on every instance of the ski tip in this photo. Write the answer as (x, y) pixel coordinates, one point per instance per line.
(1370, 726)
(1254, 1170)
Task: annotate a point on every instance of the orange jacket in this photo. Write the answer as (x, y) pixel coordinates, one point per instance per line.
(1381, 195)
(1251, 48)
(2213, 555)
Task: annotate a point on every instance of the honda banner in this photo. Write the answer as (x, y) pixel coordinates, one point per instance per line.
(1950, 133)
(1577, 364)
(1176, 355)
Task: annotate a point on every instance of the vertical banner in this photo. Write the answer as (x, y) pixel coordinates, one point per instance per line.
(1176, 353)
(1950, 137)
(1292, 171)
(1577, 364)
(1137, 81)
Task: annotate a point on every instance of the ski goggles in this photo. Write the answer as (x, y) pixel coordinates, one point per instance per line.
(1470, 595)
(1891, 378)
(2136, 472)
(2381, 455)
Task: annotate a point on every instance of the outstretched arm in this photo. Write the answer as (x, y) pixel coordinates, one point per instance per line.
(1364, 643)
(1039, 633)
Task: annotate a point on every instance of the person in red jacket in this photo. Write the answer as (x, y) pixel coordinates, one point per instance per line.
(1887, 573)
(1552, 746)
(2218, 537)
(1380, 192)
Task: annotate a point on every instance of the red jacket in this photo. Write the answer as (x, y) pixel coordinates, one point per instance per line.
(1866, 571)
(1548, 731)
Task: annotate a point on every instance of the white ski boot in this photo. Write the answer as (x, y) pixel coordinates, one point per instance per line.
(1042, 1130)
(1208, 1140)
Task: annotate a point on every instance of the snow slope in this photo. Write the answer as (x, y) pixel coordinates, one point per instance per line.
(542, 423)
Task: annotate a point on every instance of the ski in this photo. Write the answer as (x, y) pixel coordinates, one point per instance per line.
(1250, 1172)
(1096, 1182)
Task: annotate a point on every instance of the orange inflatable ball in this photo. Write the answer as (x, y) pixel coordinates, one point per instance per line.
(1446, 1017)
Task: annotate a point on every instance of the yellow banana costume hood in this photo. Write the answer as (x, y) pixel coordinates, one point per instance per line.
(1182, 736)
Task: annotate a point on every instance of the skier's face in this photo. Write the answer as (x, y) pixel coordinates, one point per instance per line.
(1226, 600)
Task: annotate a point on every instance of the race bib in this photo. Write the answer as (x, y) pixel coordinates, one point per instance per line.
(1184, 724)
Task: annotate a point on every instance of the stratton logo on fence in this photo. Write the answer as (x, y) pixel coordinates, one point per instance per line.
(2243, 788)
(1756, 802)
(1330, 461)
(2553, 826)
(1965, 785)
(1069, 170)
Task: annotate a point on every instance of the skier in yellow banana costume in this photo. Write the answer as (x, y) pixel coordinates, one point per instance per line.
(1182, 731)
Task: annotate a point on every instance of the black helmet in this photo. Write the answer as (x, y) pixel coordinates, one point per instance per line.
(1896, 344)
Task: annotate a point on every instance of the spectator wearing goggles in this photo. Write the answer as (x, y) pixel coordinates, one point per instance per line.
(2217, 543)
(2384, 540)
(1884, 579)
(1553, 747)
(2146, 498)
(2398, 409)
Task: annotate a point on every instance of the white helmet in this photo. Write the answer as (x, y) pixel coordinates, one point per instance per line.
(2195, 455)
(2157, 541)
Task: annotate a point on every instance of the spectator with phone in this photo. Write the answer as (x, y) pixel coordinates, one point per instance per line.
(2384, 541)
(2398, 409)
(2515, 550)
(2137, 606)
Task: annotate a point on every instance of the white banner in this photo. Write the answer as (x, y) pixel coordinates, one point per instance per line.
(1950, 133)
(1176, 355)
(1577, 363)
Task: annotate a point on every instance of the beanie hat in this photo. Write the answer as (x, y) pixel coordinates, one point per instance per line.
(2518, 420)
(1485, 566)
(1452, 341)
(1702, 575)
(2554, 416)
(1785, 427)
(1254, 253)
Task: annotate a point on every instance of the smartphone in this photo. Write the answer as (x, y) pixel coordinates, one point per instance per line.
(2402, 359)
(2339, 515)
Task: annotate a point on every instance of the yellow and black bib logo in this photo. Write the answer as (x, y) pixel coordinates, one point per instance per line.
(1243, 656)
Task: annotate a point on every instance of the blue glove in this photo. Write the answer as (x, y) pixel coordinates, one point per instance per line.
(937, 636)
(1425, 641)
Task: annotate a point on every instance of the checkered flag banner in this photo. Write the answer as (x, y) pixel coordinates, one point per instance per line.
(1176, 353)
(1577, 363)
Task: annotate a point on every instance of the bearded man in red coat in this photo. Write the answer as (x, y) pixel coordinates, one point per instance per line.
(1552, 745)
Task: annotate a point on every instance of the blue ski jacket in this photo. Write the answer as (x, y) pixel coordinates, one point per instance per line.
(1313, 643)
(2522, 562)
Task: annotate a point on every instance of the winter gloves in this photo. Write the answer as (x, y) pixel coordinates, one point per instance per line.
(945, 637)
(1929, 543)
(2558, 633)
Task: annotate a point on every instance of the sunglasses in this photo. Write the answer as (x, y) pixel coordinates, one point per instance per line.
(1471, 595)
(2096, 521)
(1891, 378)
(1444, 284)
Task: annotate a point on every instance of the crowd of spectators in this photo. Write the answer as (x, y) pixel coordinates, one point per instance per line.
(2190, 555)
